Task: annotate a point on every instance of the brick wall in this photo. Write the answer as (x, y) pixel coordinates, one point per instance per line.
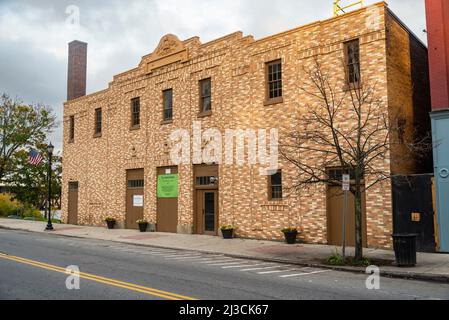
(236, 65)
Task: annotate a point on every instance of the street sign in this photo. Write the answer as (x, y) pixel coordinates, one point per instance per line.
(346, 182)
(346, 186)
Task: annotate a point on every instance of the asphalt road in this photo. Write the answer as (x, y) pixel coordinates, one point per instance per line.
(32, 266)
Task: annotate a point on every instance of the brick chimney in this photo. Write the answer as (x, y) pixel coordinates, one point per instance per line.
(438, 37)
(76, 76)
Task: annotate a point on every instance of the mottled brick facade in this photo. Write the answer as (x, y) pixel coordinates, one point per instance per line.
(236, 65)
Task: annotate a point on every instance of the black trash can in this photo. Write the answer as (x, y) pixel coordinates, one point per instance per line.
(405, 249)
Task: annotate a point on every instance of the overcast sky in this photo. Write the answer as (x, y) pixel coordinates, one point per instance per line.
(34, 35)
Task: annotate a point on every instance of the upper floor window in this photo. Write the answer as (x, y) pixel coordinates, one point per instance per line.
(98, 121)
(168, 104)
(205, 96)
(275, 186)
(352, 56)
(72, 129)
(135, 113)
(274, 81)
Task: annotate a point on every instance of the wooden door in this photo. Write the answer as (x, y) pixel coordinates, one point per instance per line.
(207, 212)
(73, 203)
(167, 208)
(134, 198)
(335, 206)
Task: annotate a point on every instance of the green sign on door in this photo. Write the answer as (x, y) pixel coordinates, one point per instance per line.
(167, 186)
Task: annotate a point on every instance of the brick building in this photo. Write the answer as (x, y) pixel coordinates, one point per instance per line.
(117, 146)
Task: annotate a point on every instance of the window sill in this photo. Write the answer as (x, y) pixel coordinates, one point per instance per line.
(205, 114)
(165, 122)
(135, 128)
(71, 141)
(273, 101)
(275, 200)
(97, 135)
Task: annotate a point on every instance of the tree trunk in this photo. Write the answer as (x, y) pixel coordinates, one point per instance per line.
(358, 222)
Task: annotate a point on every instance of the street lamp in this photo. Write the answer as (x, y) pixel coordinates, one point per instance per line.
(50, 149)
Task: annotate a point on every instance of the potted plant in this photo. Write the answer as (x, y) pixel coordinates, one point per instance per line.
(227, 231)
(143, 225)
(290, 235)
(110, 222)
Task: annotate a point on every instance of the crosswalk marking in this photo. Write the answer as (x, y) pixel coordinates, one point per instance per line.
(226, 264)
(184, 258)
(159, 253)
(304, 274)
(277, 271)
(265, 268)
(216, 261)
(211, 259)
(244, 266)
(174, 255)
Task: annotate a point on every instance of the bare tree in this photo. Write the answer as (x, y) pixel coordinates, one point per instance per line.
(349, 128)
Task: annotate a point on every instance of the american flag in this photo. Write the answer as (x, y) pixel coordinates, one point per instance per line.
(35, 158)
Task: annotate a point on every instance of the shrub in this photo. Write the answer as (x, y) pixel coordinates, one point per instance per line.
(110, 219)
(336, 259)
(228, 227)
(31, 212)
(8, 206)
(142, 221)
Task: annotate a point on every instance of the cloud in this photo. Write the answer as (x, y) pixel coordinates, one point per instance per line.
(34, 35)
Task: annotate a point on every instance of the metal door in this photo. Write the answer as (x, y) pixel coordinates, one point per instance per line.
(73, 203)
(335, 205)
(167, 208)
(413, 209)
(134, 198)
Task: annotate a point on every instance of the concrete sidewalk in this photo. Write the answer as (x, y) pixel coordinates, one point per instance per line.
(434, 267)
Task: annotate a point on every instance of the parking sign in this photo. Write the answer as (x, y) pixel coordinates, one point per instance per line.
(346, 182)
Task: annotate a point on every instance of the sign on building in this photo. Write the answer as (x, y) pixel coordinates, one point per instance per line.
(138, 201)
(167, 186)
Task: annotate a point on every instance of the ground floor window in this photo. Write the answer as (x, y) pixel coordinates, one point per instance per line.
(275, 186)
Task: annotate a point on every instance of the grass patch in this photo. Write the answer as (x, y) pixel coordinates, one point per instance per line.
(41, 219)
(336, 259)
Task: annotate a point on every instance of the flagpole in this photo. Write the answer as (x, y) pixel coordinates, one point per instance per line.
(50, 149)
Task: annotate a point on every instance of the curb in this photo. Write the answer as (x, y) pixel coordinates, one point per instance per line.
(388, 274)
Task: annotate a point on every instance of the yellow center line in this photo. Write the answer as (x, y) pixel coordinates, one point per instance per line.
(95, 278)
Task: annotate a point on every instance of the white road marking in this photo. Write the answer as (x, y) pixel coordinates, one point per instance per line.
(278, 271)
(159, 253)
(266, 268)
(227, 264)
(303, 274)
(244, 266)
(211, 259)
(217, 261)
(184, 258)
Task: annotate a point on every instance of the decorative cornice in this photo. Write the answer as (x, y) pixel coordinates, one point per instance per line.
(169, 50)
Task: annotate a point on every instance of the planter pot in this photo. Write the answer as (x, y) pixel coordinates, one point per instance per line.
(110, 224)
(143, 227)
(228, 234)
(290, 237)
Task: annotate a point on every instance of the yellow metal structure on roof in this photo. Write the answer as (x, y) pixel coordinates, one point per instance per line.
(343, 6)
